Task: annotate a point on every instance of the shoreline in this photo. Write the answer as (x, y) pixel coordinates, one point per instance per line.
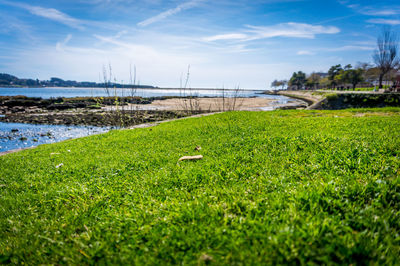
(157, 111)
(144, 125)
(17, 150)
(126, 111)
(136, 88)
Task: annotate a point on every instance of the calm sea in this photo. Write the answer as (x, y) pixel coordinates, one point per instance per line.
(46, 93)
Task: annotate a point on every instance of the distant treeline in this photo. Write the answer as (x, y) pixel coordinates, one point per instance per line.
(7, 80)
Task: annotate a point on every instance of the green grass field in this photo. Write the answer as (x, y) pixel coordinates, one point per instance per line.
(282, 187)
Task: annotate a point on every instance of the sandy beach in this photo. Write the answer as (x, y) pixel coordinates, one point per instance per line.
(207, 104)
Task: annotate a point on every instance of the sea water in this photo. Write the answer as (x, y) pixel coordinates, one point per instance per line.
(17, 135)
(47, 93)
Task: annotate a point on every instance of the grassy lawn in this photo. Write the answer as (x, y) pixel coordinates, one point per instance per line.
(274, 187)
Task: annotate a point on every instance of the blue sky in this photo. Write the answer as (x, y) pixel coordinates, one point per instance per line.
(226, 43)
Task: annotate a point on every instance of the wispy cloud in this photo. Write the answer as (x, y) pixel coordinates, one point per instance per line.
(58, 16)
(12, 25)
(112, 40)
(384, 21)
(305, 53)
(229, 36)
(335, 19)
(291, 30)
(60, 45)
(49, 13)
(169, 13)
(372, 10)
(379, 12)
(54, 14)
(344, 48)
(351, 48)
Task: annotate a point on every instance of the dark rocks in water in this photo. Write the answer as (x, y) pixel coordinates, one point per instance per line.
(23, 139)
(20, 109)
(35, 140)
(14, 130)
(65, 106)
(16, 104)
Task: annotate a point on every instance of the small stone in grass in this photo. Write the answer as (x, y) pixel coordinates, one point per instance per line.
(206, 258)
(197, 148)
(58, 166)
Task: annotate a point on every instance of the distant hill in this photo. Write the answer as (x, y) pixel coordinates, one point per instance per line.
(7, 80)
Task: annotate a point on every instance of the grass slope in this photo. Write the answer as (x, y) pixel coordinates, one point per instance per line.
(273, 187)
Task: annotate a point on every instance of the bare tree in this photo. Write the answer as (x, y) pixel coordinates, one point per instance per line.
(386, 55)
(132, 81)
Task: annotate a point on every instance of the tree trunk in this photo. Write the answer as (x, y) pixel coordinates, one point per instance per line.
(380, 80)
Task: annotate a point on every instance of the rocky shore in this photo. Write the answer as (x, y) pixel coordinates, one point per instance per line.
(81, 111)
(123, 111)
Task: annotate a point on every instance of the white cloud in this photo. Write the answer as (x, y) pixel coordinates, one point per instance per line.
(60, 45)
(156, 64)
(303, 52)
(382, 12)
(290, 29)
(49, 13)
(169, 12)
(58, 16)
(54, 14)
(351, 48)
(384, 21)
(231, 36)
(373, 10)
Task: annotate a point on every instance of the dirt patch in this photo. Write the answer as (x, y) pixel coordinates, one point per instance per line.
(374, 114)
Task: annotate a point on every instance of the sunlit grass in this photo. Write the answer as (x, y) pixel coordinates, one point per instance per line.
(273, 187)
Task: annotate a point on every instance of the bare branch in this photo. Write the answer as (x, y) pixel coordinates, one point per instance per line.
(386, 55)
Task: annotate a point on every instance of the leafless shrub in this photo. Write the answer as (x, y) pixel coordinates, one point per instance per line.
(230, 99)
(190, 102)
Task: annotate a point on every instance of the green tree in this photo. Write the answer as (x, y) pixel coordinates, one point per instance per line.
(333, 72)
(298, 79)
(353, 76)
(313, 81)
(275, 84)
(283, 83)
(278, 83)
(370, 73)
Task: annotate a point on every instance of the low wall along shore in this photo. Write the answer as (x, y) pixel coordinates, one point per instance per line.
(338, 100)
